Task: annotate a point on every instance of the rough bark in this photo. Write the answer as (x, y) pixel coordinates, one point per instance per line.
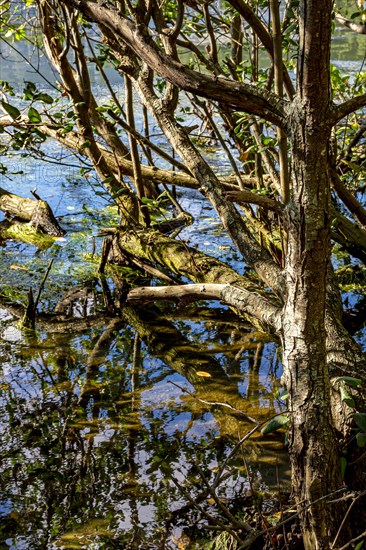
(312, 442)
(35, 211)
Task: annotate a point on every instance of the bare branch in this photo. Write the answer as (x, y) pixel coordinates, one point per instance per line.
(244, 195)
(234, 94)
(243, 300)
(350, 106)
(264, 36)
(355, 27)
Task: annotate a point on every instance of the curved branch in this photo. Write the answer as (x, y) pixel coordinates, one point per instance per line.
(234, 94)
(349, 199)
(355, 27)
(350, 106)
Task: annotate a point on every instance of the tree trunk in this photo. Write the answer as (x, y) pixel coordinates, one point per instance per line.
(312, 442)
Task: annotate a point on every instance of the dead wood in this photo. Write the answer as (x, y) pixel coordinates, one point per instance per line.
(245, 301)
(35, 211)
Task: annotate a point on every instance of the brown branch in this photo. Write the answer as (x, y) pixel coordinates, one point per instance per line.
(244, 195)
(137, 177)
(278, 80)
(350, 106)
(235, 94)
(244, 9)
(348, 199)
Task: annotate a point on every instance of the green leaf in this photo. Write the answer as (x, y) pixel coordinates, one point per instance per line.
(45, 98)
(359, 545)
(40, 134)
(30, 86)
(346, 397)
(361, 439)
(118, 193)
(11, 110)
(353, 382)
(34, 115)
(343, 465)
(282, 394)
(107, 180)
(275, 424)
(148, 201)
(360, 419)
(85, 145)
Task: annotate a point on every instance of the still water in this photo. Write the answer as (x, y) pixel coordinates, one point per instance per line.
(113, 429)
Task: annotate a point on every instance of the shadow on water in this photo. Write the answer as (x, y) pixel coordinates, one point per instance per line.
(110, 428)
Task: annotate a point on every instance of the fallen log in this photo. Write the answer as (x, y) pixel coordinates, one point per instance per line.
(24, 232)
(243, 300)
(35, 211)
(344, 355)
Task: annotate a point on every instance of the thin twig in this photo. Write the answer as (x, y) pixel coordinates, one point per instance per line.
(238, 445)
(235, 523)
(42, 284)
(216, 403)
(352, 541)
(206, 514)
(346, 516)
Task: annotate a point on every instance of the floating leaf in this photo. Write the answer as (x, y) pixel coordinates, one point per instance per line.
(11, 110)
(360, 419)
(275, 424)
(349, 380)
(203, 373)
(18, 267)
(346, 397)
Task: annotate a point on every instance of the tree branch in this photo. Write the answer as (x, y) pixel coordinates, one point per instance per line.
(234, 94)
(241, 299)
(350, 106)
(244, 195)
(355, 27)
(264, 36)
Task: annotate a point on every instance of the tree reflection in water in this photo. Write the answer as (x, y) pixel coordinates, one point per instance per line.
(105, 431)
